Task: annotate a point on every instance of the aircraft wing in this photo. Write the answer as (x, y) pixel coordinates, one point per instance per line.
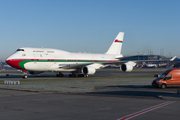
(70, 66)
(103, 64)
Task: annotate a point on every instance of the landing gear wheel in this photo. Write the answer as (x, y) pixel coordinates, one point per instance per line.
(86, 75)
(59, 75)
(80, 75)
(72, 75)
(24, 76)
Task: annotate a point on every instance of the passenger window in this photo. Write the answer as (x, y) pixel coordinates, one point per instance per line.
(168, 77)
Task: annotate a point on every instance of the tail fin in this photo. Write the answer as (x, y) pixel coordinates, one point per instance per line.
(1, 65)
(144, 64)
(172, 59)
(115, 48)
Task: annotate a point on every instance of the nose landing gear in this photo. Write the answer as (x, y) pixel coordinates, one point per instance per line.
(24, 75)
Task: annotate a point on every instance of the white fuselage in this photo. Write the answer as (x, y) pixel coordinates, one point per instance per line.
(44, 59)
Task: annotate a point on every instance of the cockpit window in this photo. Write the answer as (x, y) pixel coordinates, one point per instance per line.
(20, 50)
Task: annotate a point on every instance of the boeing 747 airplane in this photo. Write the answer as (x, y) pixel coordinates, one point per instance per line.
(38, 60)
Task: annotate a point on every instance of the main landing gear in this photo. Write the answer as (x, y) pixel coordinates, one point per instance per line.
(59, 74)
(72, 74)
(77, 75)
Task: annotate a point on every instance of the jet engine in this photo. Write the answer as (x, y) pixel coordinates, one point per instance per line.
(88, 70)
(128, 67)
(35, 72)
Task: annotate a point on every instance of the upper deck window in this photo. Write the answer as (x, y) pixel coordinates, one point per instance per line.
(38, 51)
(20, 50)
(50, 51)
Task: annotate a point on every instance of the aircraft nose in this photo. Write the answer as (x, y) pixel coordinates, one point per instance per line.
(13, 62)
(9, 61)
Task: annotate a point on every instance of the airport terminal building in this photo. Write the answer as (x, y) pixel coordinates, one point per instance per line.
(145, 57)
(164, 63)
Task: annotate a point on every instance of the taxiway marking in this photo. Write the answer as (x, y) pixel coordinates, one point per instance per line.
(145, 110)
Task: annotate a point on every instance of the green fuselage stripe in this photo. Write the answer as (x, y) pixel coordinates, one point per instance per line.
(22, 63)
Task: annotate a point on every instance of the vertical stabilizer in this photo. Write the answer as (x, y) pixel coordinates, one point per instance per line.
(115, 48)
(144, 64)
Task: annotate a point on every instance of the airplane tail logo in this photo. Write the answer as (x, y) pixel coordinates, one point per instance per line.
(118, 41)
(116, 46)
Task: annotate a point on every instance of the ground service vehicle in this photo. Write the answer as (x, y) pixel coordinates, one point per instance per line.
(170, 78)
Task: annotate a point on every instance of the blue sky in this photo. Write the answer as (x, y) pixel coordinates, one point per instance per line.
(90, 25)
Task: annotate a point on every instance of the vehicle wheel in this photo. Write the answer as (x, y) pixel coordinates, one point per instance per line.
(163, 86)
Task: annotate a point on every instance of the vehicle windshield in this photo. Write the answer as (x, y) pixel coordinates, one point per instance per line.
(162, 75)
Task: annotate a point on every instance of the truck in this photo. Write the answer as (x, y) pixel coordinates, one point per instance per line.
(170, 78)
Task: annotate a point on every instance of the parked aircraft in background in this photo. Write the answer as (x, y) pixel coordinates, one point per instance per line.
(1, 65)
(159, 64)
(163, 65)
(150, 65)
(38, 60)
(4, 66)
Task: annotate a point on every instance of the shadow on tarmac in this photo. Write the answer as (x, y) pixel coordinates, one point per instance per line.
(134, 94)
(141, 91)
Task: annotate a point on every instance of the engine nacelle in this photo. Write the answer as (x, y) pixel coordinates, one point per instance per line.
(88, 70)
(126, 67)
(35, 72)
